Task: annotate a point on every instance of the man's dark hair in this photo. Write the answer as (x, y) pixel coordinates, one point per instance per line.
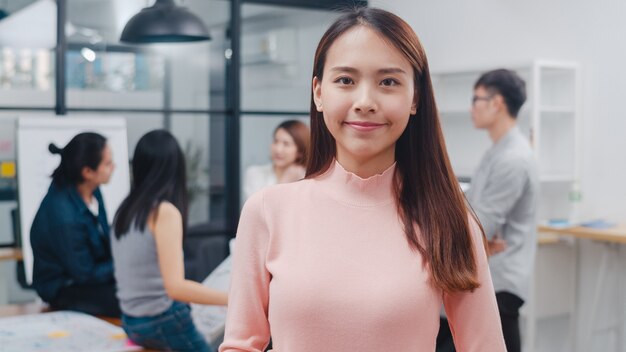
(506, 83)
(84, 150)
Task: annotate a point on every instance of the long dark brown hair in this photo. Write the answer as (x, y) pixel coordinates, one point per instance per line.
(428, 196)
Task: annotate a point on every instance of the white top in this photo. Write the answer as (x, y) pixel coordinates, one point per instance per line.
(94, 206)
(258, 177)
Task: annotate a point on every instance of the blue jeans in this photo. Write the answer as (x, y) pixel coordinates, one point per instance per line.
(172, 330)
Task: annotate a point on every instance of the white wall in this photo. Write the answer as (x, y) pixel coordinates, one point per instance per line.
(482, 33)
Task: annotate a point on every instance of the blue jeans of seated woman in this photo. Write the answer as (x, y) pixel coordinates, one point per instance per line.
(172, 330)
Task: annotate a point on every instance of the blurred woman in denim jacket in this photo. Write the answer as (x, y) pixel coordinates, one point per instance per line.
(73, 267)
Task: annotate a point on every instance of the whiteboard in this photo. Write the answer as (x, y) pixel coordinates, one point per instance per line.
(35, 164)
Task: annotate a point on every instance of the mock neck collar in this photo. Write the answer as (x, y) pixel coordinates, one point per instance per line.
(351, 189)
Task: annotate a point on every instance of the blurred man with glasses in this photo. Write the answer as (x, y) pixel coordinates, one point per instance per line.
(503, 193)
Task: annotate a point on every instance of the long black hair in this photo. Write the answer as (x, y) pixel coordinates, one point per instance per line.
(158, 176)
(84, 150)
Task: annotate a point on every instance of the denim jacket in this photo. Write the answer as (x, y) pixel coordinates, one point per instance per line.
(70, 245)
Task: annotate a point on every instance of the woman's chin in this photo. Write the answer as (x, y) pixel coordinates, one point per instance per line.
(281, 164)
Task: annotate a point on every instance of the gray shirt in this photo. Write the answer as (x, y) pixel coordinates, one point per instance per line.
(140, 286)
(504, 194)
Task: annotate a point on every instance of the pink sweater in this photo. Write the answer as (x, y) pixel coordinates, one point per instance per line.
(324, 265)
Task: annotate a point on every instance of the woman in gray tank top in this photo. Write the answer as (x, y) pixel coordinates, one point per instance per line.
(146, 243)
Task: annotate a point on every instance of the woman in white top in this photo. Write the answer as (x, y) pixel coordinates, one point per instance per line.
(288, 153)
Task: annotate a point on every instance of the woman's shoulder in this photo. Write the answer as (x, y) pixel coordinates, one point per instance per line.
(58, 192)
(167, 209)
(272, 201)
(58, 203)
(281, 192)
(164, 211)
(283, 195)
(288, 188)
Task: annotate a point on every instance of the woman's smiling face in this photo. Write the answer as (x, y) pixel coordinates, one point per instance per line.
(366, 95)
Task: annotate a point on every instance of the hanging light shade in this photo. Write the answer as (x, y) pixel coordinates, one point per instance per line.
(164, 22)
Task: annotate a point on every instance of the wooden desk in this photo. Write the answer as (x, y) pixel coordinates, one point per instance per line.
(612, 238)
(10, 254)
(544, 238)
(615, 234)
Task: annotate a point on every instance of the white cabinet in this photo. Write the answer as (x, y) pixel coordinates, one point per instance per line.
(550, 118)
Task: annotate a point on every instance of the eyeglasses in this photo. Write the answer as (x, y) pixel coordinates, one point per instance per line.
(477, 98)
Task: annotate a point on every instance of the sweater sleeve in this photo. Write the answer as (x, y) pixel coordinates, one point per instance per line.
(473, 316)
(247, 326)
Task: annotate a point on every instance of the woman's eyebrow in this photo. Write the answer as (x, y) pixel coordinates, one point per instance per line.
(391, 70)
(344, 69)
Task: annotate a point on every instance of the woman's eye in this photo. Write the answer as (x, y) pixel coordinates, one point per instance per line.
(389, 82)
(344, 80)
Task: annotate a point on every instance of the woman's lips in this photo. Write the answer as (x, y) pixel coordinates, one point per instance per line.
(364, 126)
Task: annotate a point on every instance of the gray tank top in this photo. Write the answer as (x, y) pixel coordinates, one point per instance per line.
(139, 282)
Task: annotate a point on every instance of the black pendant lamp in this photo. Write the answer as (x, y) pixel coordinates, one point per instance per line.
(164, 22)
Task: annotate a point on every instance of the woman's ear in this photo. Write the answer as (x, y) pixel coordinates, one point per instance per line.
(414, 104)
(414, 108)
(317, 94)
(87, 173)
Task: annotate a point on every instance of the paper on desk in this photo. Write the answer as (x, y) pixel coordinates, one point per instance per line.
(598, 224)
(61, 331)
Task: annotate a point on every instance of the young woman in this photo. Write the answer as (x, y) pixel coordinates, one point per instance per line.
(73, 268)
(289, 151)
(361, 255)
(147, 245)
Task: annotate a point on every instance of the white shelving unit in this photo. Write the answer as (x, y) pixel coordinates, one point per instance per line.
(551, 119)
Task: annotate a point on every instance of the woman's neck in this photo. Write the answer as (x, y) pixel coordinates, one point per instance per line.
(366, 167)
(85, 190)
(278, 171)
